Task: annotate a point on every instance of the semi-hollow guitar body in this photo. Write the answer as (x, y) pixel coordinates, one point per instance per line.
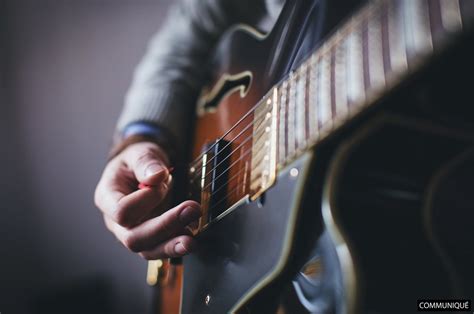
(334, 159)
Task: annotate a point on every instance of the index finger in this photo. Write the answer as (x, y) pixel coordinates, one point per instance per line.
(118, 198)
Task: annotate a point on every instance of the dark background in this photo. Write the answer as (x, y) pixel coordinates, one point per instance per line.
(64, 69)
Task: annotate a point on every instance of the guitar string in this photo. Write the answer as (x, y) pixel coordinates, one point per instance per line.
(213, 207)
(228, 168)
(230, 180)
(199, 158)
(246, 152)
(222, 161)
(199, 176)
(197, 171)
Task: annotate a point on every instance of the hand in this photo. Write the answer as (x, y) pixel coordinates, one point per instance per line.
(131, 213)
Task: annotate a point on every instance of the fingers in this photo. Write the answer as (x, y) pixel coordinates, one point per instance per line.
(165, 226)
(148, 163)
(117, 195)
(119, 201)
(163, 236)
(127, 209)
(175, 247)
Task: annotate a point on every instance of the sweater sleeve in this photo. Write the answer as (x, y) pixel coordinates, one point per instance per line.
(169, 78)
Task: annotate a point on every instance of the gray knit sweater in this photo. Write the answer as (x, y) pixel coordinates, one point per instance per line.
(169, 78)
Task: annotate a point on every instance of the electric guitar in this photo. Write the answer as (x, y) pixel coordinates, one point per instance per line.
(333, 159)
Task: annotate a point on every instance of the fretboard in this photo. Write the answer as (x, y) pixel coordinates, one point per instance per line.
(370, 54)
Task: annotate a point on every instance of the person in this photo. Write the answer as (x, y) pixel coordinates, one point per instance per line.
(152, 133)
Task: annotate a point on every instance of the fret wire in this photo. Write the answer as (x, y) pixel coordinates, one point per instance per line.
(375, 53)
(324, 94)
(417, 28)
(396, 38)
(450, 15)
(283, 117)
(355, 71)
(276, 103)
(313, 101)
(300, 119)
(307, 98)
(291, 116)
(384, 38)
(340, 90)
(332, 82)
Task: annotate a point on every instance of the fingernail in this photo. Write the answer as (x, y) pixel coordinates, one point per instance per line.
(153, 169)
(170, 178)
(180, 249)
(163, 187)
(189, 214)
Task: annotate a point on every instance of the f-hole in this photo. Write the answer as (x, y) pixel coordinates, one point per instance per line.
(227, 85)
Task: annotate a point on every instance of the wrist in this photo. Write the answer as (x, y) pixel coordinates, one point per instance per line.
(145, 132)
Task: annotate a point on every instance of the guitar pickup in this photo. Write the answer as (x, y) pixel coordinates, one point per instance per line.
(216, 163)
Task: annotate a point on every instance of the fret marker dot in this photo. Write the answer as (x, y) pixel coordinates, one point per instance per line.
(267, 129)
(294, 172)
(269, 101)
(192, 170)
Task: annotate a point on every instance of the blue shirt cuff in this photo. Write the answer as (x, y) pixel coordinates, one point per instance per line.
(144, 128)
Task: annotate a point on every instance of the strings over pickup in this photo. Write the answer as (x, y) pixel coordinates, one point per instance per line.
(214, 181)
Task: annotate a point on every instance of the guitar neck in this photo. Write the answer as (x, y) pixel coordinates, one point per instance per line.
(370, 54)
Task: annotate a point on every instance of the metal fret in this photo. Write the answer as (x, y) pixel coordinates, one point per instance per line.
(324, 95)
(355, 70)
(450, 15)
(313, 98)
(282, 151)
(340, 77)
(300, 124)
(291, 122)
(375, 53)
(417, 28)
(396, 38)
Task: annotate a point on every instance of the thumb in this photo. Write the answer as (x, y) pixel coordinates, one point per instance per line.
(148, 164)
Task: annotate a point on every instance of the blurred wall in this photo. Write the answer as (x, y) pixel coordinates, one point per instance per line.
(64, 68)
